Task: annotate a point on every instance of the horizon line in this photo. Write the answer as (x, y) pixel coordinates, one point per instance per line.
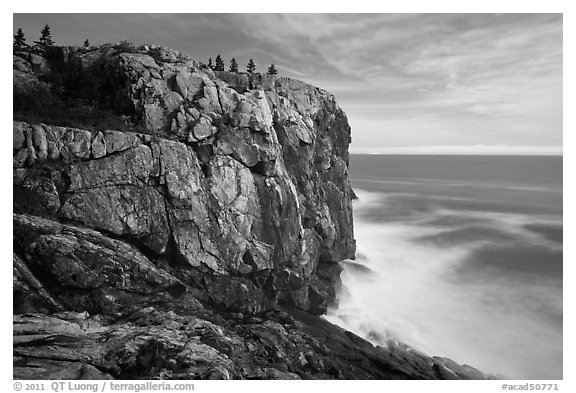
(496, 150)
(461, 154)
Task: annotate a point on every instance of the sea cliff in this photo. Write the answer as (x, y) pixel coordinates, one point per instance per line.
(199, 239)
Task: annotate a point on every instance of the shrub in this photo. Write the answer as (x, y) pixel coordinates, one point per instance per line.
(219, 64)
(251, 67)
(125, 46)
(19, 41)
(233, 65)
(272, 70)
(45, 41)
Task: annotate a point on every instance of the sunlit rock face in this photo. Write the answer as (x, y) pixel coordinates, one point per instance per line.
(236, 185)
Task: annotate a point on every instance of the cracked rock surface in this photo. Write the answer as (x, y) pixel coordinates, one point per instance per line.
(238, 180)
(201, 247)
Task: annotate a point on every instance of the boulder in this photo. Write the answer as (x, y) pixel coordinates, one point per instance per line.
(202, 130)
(39, 64)
(75, 144)
(18, 136)
(188, 85)
(36, 194)
(116, 141)
(173, 101)
(20, 158)
(40, 142)
(21, 65)
(98, 145)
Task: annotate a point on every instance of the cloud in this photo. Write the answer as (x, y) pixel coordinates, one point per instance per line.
(416, 79)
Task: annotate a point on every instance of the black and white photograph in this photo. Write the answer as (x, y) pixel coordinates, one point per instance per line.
(287, 196)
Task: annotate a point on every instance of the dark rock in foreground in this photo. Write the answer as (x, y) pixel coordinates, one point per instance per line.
(183, 343)
(132, 319)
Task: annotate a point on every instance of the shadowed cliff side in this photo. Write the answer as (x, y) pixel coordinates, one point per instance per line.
(197, 247)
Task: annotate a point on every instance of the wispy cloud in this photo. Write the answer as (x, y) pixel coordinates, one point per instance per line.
(403, 79)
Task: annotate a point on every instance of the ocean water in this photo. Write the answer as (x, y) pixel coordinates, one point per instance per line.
(459, 256)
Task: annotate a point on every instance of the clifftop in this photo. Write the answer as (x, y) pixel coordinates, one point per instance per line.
(194, 241)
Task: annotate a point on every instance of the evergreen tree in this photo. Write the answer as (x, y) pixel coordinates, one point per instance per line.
(272, 70)
(86, 43)
(233, 65)
(251, 67)
(45, 40)
(219, 64)
(210, 65)
(19, 41)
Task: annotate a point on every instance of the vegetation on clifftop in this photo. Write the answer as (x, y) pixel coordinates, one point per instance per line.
(50, 91)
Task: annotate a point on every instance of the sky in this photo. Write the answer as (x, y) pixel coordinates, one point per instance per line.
(409, 83)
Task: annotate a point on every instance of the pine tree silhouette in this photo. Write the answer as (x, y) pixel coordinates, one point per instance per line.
(219, 64)
(19, 41)
(210, 65)
(251, 67)
(233, 65)
(272, 70)
(45, 40)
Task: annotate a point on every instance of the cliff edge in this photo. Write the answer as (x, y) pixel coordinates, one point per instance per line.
(196, 240)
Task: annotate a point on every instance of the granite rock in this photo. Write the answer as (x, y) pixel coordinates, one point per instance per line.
(229, 180)
(196, 249)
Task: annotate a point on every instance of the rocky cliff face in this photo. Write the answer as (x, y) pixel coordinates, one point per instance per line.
(237, 188)
(169, 252)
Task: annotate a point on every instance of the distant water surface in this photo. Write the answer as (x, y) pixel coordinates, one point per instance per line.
(460, 256)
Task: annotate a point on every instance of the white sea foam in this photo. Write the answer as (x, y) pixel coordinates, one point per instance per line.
(461, 184)
(493, 322)
(512, 224)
